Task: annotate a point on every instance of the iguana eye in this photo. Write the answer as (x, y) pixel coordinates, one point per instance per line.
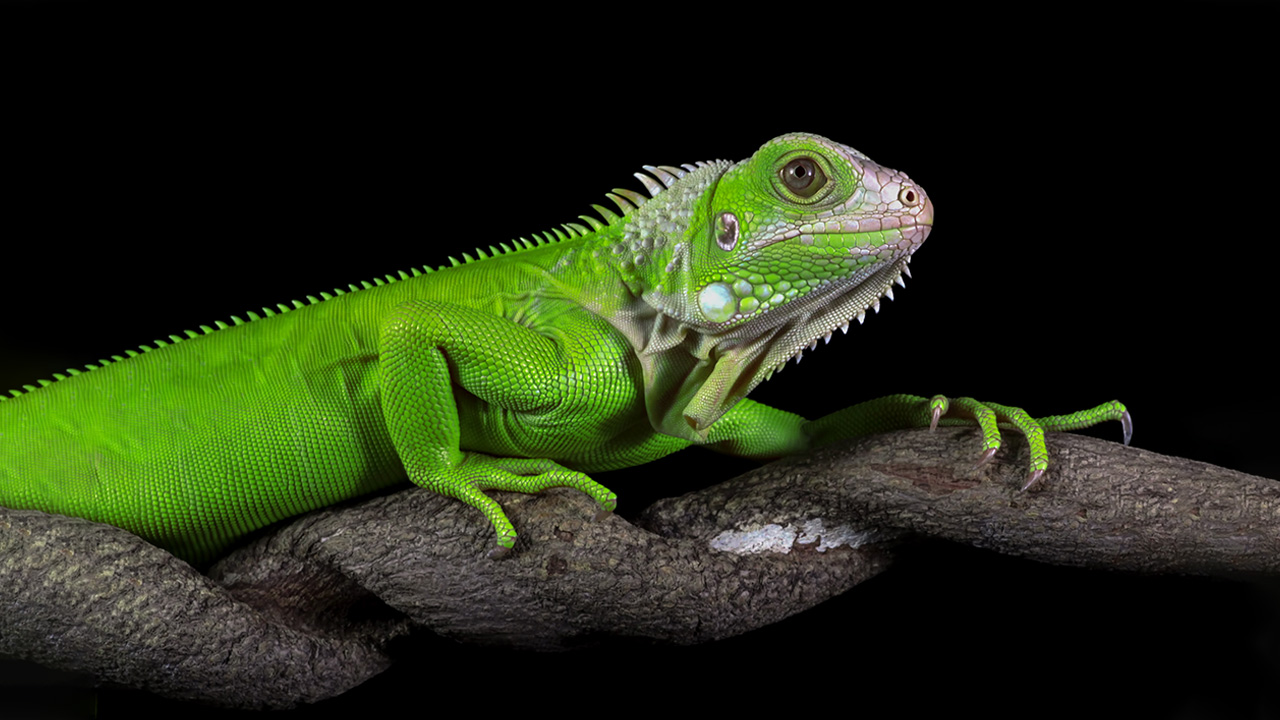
(803, 177)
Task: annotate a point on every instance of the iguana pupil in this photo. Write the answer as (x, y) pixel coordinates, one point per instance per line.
(803, 177)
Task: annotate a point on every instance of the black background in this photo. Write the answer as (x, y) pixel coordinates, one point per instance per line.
(1104, 191)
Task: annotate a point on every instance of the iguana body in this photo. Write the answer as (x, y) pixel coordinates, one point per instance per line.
(596, 349)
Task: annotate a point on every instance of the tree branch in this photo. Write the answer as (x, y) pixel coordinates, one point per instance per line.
(306, 612)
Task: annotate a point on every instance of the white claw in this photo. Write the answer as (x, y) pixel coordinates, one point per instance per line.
(900, 282)
(799, 356)
(889, 293)
(813, 346)
(826, 339)
(862, 317)
(876, 306)
(906, 269)
(845, 328)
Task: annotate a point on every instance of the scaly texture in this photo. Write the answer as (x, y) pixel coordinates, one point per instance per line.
(601, 346)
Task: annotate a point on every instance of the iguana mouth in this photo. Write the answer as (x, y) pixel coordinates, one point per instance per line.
(914, 227)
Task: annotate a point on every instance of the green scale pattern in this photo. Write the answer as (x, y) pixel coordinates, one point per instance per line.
(588, 348)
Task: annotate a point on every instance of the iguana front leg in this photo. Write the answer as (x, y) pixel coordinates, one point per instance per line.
(426, 349)
(754, 430)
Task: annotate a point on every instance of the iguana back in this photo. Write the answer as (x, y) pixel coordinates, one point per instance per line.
(200, 440)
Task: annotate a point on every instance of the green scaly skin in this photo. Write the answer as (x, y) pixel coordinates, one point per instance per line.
(594, 348)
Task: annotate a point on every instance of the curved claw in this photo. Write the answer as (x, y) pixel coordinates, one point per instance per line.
(1032, 479)
(499, 552)
(986, 458)
(938, 406)
(1126, 422)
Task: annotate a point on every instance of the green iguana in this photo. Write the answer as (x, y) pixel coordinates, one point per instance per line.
(598, 346)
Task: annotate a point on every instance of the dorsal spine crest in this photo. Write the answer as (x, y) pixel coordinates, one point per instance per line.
(628, 201)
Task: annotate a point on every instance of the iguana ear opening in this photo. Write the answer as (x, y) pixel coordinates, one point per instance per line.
(727, 231)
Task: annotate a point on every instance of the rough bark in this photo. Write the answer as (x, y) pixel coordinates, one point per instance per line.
(306, 612)
(1102, 505)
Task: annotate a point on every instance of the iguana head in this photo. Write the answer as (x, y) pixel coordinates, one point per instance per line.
(754, 262)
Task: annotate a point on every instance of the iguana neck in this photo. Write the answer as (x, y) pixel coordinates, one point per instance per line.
(651, 257)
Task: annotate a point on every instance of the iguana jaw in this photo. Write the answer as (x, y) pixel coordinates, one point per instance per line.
(801, 323)
(751, 354)
(695, 373)
(821, 315)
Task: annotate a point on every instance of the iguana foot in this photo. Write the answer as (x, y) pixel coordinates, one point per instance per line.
(990, 417)
(478, 472)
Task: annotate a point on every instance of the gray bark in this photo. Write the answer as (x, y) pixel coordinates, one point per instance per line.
(307, 612)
